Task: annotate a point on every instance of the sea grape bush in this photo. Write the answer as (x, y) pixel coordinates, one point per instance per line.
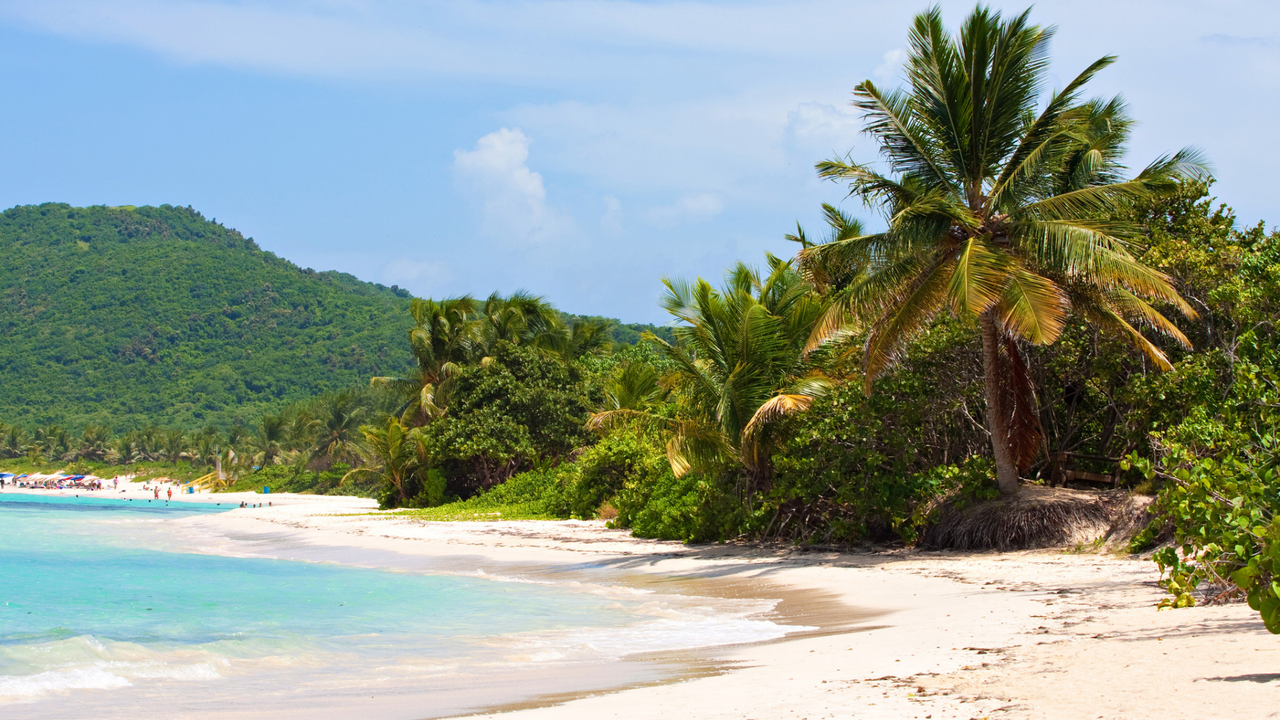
(1221, 473)
(1227, 534)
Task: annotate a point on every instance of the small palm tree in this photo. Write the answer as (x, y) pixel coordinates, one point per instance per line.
(587, 337)
(740, 366)
(998, 213)
(338, 418)
(95, 442)
(400, 455)
(270, 439)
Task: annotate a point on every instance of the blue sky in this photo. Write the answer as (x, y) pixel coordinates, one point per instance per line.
(580, 149)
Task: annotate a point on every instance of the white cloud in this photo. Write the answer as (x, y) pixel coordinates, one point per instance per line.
(822, 130)
(611, 222)
(463, 37)
(890, 68)
(514, 199)
(690, 208)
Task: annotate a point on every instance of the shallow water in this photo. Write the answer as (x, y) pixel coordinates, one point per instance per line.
(95, 620)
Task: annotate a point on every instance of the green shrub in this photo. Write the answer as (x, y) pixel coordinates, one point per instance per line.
(534, 495)
(605, 468)
(285, 478)
(690, 508)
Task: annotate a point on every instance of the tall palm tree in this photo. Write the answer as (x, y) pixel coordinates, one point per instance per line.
(53, 441)
(174, 445)
(444, 337)
(521, 319)
(739, 367)
(997, 213)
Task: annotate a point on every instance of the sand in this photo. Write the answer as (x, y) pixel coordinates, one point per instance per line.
(905, 634)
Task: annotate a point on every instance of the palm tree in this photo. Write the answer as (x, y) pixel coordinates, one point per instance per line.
(95, 442)
(128, 450)
(444, 337)
(521, 319)
(174, 445)
(740, 366)
(270, 439)
(400, 453)
(54, 442)
(339, 415)
(149, 443)
(635, 386)
(587, 337)
(996, 213)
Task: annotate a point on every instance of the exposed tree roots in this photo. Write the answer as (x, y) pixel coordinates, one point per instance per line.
(1040, 517)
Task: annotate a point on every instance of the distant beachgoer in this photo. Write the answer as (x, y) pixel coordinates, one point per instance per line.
(157, 489)
(170, 493)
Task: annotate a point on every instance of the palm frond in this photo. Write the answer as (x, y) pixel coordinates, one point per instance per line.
(1033, 307)
(979, 277)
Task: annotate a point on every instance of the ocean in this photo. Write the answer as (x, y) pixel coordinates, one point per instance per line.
(98, 620)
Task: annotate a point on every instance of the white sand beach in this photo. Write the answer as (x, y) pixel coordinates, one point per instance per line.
(904, 634)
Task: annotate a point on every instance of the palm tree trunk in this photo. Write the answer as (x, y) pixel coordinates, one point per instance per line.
(997, 414)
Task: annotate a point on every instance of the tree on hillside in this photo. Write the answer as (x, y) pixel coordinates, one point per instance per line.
(739, 367)
(996, 213)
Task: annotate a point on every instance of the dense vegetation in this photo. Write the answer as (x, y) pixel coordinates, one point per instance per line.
(1025, 300)
(128, 317)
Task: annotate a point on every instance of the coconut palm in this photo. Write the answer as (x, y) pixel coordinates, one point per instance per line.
(635, 386)
(399, 453)
(270, 439)
(997, 213)
(95, 442)
(739, 367)
(444, 337)
(128, 449)
(338, 418)
(54, 442)
(174, 445)
(521, 319)
(587, 337)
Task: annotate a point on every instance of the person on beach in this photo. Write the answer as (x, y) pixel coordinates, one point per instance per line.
(170, 493)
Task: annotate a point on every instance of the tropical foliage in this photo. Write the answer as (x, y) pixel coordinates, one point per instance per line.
(1026, 298)
(1001, 215)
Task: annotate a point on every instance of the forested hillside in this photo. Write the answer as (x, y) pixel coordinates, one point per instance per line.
(128, 317)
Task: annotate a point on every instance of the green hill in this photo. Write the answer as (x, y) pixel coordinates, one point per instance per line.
(128, 317)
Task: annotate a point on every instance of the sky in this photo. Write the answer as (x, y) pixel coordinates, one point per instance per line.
(577, 149)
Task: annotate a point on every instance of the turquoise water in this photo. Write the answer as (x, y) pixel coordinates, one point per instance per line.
(91, 624)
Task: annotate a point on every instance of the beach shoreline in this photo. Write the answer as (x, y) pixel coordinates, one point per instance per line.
(897, 633)
(906, 633)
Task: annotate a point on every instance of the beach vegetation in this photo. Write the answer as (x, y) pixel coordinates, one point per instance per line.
(1023, 303)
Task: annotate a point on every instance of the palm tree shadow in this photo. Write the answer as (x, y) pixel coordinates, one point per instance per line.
(1252, 677)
